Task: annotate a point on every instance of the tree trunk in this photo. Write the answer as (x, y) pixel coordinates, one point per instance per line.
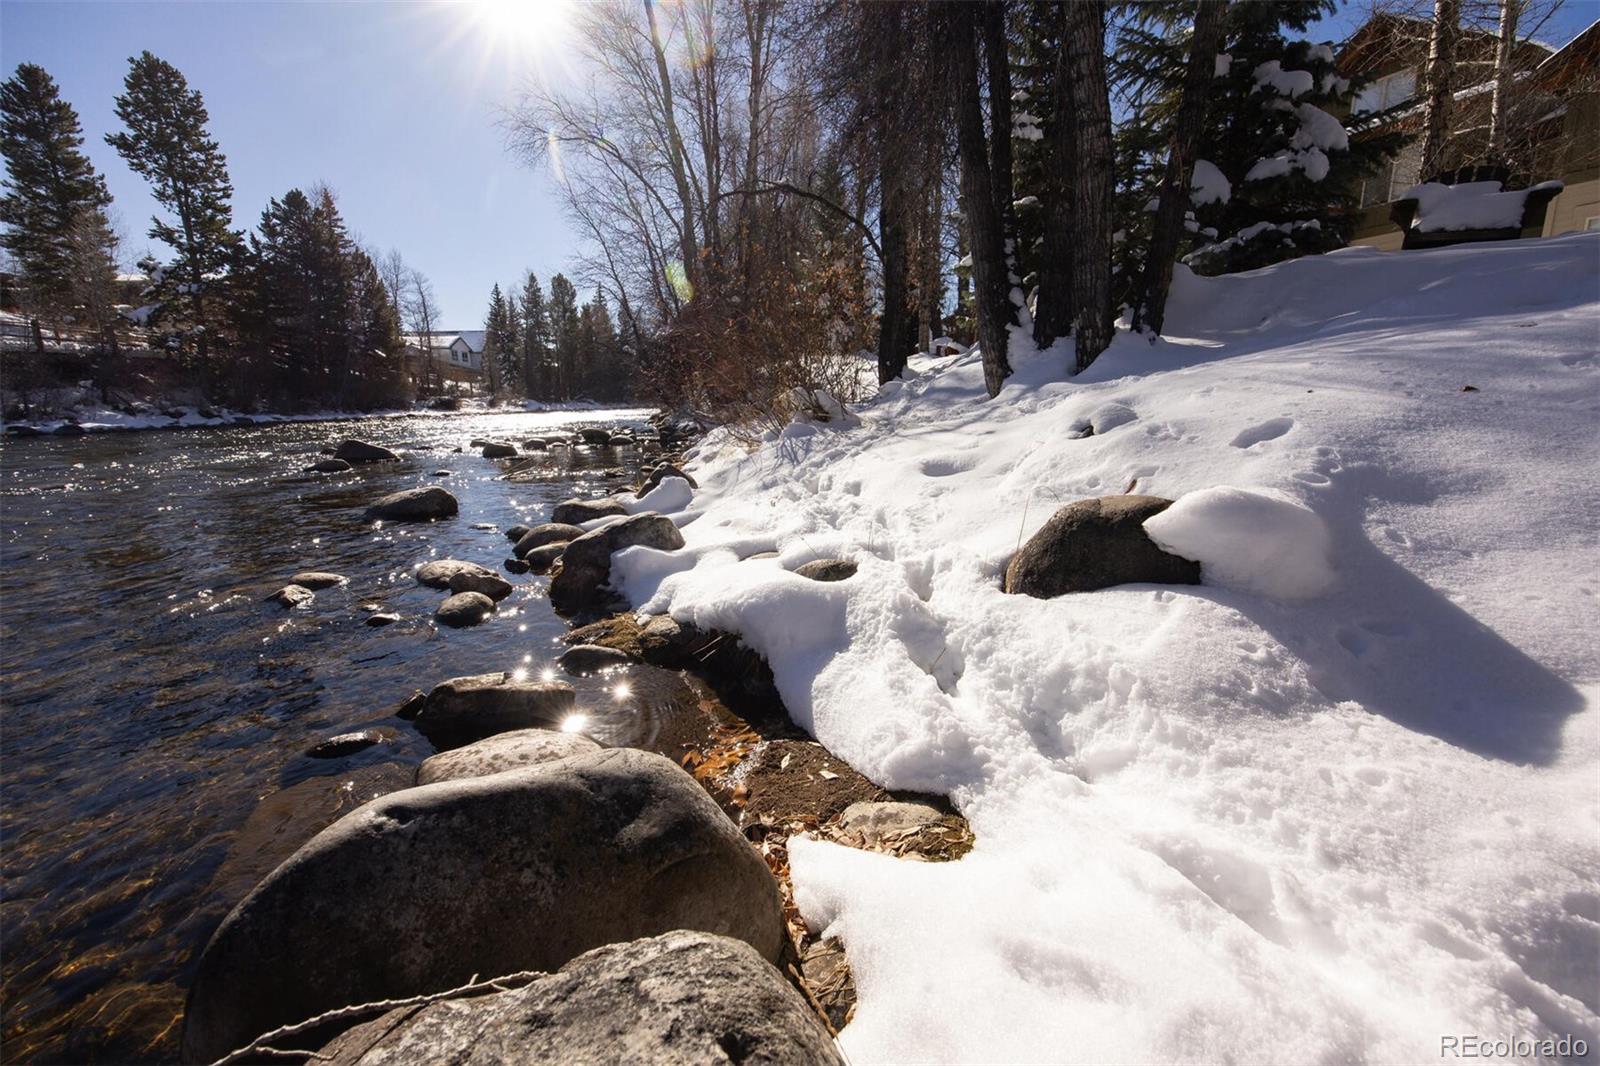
(931, 289)
(680, 176)
(994, 48)
(1052, 312)
(1186, 129)
(1440, 79)
(896, 322)
(1510, 11)
(991, 285)
(1084, 49)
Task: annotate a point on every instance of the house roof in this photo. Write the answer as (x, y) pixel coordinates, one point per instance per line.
(1372, 46)
(445, 338)
(1568, 63)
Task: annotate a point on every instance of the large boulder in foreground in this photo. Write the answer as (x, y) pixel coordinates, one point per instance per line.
(464, 609)
(359, 451)
(546, 533)
(465, 709)
(680, 999)
(1094, 544)
(515, 750)
(415, 505)
(437, 573)
(586, 562)
(420, 890)
(576, 512)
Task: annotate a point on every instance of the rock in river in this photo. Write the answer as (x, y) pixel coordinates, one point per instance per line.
(359, 451)
(382, 618)
(575, 512)
(516, 533)
(591, 659)
(491, 585)
(586, 563)
(415, 505)
(495, 449)
(465, 709)
(293, 596)
(514, 566)
(464, 609)
(345, 744)
(437, 574)
(329, 466)
(420, 890)
(545, 533)
(504, 751)
(595, 436)
(679, 999)
(1094, 544)
(317, 579)
(542, 558)
(662, 472)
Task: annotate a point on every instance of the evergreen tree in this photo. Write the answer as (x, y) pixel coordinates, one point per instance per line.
(54, 204)
(563, 315)
(493, 327)
(503, 341)
(535, 341)
(167, 143)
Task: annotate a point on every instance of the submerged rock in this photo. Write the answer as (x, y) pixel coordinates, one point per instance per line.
(421, 890)
(437, 574)
(586, 562)
(499, 450)
(69, 429)
(827, 569)
(317, 579)
(535, 444)
(504, 751)
(680, 999)
(345, 744)
(595, 436)
(1095, 544)
(546, 533)
(466, 709)
(576, 512)
(359, 451)
(329, 466)
(415, 505)
(292, 596)
(464, 609)
(491, 585)
(591, 658)
(382, 618)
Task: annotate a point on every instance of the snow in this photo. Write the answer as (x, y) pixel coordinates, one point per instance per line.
(1324, 52)
(1316, 134)
(1227, 822)
(1290, 83)
(1470, 205)
(1210, 185)
(1259, 542)
(671, 494)
(1224, 64)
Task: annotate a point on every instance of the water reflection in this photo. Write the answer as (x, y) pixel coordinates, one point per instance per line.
(156, 713)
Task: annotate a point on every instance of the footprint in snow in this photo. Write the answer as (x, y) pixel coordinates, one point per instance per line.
(1271, 429)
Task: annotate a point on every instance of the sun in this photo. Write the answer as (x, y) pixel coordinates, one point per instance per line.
(535, 24)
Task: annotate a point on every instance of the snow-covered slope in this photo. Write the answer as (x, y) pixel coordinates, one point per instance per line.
(1248, 821)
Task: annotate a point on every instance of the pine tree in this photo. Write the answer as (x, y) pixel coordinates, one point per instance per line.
(563, 313)
(167, 143)
(535, 341)
(493, 328)
(55, 204)
(503, 340)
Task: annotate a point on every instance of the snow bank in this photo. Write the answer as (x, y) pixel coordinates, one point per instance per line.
(1212, 824)
(1261, 542)
(670, 495)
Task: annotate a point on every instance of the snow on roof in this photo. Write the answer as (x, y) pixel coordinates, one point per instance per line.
(474, 339)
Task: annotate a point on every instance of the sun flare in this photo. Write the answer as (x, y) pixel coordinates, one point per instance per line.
(537, 24)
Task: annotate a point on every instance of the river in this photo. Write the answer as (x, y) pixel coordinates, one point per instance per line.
(155, 712)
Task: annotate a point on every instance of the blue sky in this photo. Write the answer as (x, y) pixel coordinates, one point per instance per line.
(394, 105)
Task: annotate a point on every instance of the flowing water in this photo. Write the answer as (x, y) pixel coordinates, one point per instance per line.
(155, 712)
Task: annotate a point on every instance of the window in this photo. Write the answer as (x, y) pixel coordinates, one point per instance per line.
(1591, 223)
(1385, 92)
(1393, 180)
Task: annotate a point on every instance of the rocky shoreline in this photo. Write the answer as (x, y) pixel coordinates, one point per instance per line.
(529, 870)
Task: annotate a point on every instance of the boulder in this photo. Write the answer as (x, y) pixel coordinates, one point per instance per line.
(595, 436)
(516, 533)
(491, 585)
(415, 505)
(575, 512)
(536, 444)
(544, 557)
(466, 709)
(345, 744)
(663, 471)
(622, 440)
(546, 533)
(827, 569)
(680, 999)
(359, 451)
(504, 751)
(329, 466)
(421, 890)
(495, 449)
(515, 566)
(1095, 544)
(317, 579)
(437, 574)
(591, 659)
(586, 562)
(292, 596)
(464, 609)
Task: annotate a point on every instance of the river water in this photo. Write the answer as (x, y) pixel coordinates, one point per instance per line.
(155, 712)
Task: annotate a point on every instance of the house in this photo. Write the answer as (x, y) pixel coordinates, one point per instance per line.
(1552, 122)
(457, 355)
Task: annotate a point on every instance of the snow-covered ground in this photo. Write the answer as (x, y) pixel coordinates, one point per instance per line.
(1336, 804)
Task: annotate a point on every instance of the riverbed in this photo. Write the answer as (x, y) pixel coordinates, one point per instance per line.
(157, 713)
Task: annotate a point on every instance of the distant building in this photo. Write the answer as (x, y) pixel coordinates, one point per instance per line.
(457, 354)
(1553, 128)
